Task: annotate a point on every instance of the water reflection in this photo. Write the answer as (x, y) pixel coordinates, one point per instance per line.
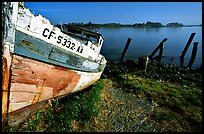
(148, 30)
(145, 40)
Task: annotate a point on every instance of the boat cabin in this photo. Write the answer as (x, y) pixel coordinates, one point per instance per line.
(87, 37)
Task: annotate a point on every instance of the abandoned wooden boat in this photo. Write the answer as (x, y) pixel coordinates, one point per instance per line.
(41, 61)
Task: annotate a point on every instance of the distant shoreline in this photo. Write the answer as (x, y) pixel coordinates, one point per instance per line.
(136, 25)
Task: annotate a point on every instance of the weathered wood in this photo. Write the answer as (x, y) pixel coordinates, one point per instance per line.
(5, 92)
(40, 62)
(40, 28)
(33, 81)
(193, 55)
(29, 47)
(142, 63)
(20, 115)
(125, 49)
(6, 71)
(158, 58)
(4, 22)
(186, 48)
(161, 52)
(160, 46)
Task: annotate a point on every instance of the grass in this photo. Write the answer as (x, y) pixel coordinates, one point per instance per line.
(65, 112)
(175, 93)
(178, 93)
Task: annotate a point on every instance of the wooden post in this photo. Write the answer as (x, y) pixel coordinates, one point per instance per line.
(160, 53)
(159, 57)
(143, 62)
(201, 68)
(186, 48)
(193, 55)
(125, 49)
(157, 48)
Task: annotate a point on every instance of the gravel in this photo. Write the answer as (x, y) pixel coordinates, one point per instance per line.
(122, 112)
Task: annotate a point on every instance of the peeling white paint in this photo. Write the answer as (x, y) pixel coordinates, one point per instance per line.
(35, 25)
(86, 80)
(11, 19)
(21, 19)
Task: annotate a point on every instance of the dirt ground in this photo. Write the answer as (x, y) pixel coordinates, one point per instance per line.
(120, 112)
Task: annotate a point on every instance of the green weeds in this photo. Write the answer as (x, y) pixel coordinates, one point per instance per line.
(80, 107)
(175, 95)
(177, 92)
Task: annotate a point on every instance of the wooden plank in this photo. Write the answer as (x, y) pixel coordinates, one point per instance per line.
(193, 55)
(186, 48)
(125, 49)
(46, 81)
(18, 97)
(157, 48)
(18, 116)
(6, 66)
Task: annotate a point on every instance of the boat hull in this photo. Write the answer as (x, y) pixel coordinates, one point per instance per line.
(41, 62)
(34, 81)
(35, 48)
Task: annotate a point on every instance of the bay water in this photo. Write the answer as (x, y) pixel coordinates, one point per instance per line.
(145, 40)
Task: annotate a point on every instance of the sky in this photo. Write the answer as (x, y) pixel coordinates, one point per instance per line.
(187, 13)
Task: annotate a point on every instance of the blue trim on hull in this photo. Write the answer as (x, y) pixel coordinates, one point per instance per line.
(28, 46)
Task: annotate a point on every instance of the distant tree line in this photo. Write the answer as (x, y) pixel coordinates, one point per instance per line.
(174, 24)
(117, 25)
(148, 24)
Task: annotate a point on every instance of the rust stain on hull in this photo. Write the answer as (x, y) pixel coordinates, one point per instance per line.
(41, 80)
(5, 84)
(6, 64)
(26, 42)
(26, 82)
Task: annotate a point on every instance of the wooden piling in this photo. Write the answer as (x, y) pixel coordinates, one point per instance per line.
(193, 55)
(142, 63)
(160, 46)
(186, 48)
(160, 53)
(125, 49)
(201, 67)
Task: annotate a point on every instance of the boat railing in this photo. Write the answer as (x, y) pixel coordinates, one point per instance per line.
(75, 35)
(83, 34)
